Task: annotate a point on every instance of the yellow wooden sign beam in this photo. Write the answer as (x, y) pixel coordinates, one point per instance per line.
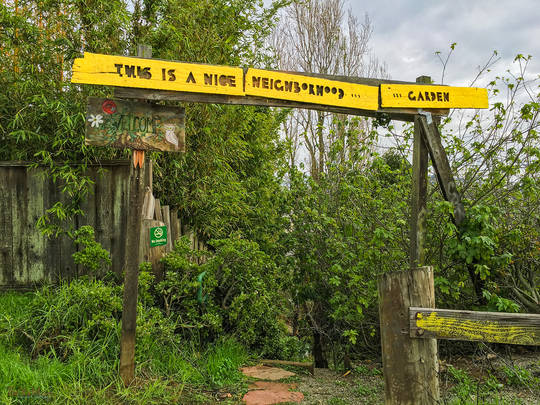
(123, 71)
(418, 96)
(307, 89)
(153, 74)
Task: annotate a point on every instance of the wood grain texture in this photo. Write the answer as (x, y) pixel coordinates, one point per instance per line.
(410, 370)
(399, 114)
(493, 327)
(419, 192)
(423, 96)
(167, 220)
(27, 258)
(445, 178)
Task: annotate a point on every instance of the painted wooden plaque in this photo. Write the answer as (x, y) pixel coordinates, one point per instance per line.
(418, 96)
(307, 89)
(135, 125)
(124, 71)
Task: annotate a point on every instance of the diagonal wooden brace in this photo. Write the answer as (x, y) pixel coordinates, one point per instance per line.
(432, 139)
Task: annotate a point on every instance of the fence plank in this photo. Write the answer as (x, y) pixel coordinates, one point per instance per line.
(6, 231)
(494, 327)
(36, 241)
(167, 220)
(157, 209)
(17, 182)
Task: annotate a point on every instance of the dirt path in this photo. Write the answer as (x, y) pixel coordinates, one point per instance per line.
(482, 379)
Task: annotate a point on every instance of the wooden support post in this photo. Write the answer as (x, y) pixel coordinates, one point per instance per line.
(131, 268)
(432, 139)
(419, 192)
(410, 369)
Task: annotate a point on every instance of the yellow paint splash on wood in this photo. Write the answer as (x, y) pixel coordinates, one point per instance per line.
(484, 330)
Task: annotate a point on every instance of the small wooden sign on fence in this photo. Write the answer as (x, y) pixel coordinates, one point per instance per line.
(135, 125)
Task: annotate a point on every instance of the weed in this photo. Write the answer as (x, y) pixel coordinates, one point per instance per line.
(365, 391)
(519, 377)
(367, 371)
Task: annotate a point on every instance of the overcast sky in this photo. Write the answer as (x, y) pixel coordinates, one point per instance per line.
(407, 34)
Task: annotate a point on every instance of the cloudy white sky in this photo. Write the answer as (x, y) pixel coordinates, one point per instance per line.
(407, 33)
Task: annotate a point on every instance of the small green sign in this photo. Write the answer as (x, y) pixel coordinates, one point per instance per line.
(158, 236)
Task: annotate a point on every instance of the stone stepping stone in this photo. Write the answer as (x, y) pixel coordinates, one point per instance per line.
(270, 392)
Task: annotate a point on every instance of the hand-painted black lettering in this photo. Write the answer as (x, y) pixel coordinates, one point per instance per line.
(311, 89)
(341, 94)
(130, 70)
(411, 95)
(288, 85)
(119, 68)
(278, 86)
(191, 78)
(172, 76)
(144, 73)
(256, 81)
(265, 82)
(446, 96)
(208, 79)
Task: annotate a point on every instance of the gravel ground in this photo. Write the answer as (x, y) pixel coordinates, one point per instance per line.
(366, 385)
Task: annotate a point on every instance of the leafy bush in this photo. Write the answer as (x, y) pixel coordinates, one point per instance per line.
(92, 255)
(236, 291)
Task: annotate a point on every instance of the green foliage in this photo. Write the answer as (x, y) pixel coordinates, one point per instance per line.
(75, 318)
(500, 304)
(519, 377)
(92, 255)
(345, 228)
(241, 289)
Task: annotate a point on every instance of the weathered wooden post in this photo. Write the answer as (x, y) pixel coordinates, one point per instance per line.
(131, 278)
(410, 368)
(419, 192)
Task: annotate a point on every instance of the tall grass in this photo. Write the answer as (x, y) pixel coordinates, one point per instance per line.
(61, 346)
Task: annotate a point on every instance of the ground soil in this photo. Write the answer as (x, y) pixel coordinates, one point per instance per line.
(365, 385)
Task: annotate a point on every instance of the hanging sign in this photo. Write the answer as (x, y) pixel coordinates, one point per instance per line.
(124, 71)
(158, 236)
(307, 89)
(419, 96)
(135, 125)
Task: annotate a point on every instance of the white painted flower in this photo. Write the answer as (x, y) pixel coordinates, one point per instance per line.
(95, 120)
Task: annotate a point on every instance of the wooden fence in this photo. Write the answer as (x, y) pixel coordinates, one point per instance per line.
(27, 257)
